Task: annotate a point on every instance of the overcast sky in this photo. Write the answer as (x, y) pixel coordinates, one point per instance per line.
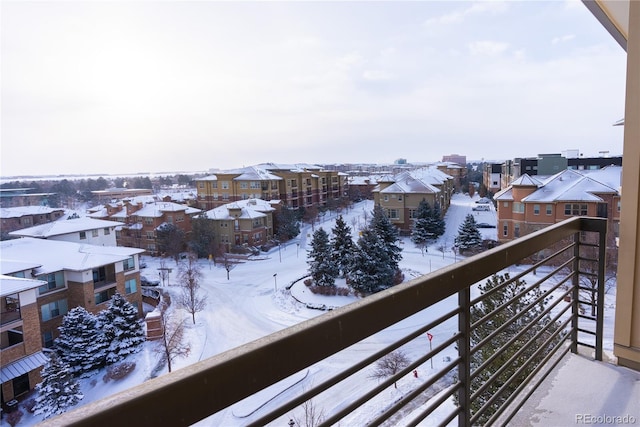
(144, 86)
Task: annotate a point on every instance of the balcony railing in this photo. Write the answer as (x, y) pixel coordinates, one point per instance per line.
(446, 301)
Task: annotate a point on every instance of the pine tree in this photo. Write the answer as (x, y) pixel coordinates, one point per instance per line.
(438, 224)
(497, 304)
(322, 268)
(58, 390)
(342, 245)
(468, 235)
(81, 343)
(421, 232)
(288, 224)
(388, 233)
(122, 329)
(202, 236)
(372, 269)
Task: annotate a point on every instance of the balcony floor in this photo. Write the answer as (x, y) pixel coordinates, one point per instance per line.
(580, 388)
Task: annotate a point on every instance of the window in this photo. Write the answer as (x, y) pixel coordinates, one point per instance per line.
(412, 213)
(21, 385)
(393, 214)
(400, 197)
(618, 206)
(83, 235)
(129, 264)
(575, 209)
(255, 185)
(516, 230)
(505, 204)
(536, 209)
(386, 198)
(104, 296)
(130, 286)
(201, 184)
(179, 218)
(505, 229)
(170, 219)
(225, 196)
(94, 233)
(244, 185)
(225, 185)
(495, 183)
(214, 184)
(107, 231)
(150, 235)
(148, 220)
(215, 196)
(549, 209)
(54, 281)
(47, 339)
(518, 207)
(53, 309)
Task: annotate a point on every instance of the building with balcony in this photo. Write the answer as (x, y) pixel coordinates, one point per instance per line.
(80, 230)
(21, 356)
(534, 202)
(245, 222)
(74, 275)
(16, 218)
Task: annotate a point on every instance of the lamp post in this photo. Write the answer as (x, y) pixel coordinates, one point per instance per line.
(275, 282)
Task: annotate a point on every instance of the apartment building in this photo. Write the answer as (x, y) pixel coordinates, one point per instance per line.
(80, 230)
(296, 185)
(245, 222)
(401, 194)
(492, 177)
(71, 275)
(141, 221)
(21, 356)
(15, 218)
(531, 203)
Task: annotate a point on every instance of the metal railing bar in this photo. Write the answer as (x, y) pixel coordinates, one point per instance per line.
(432, 406)
(504, 326)
(518, 372)
(536, 385)
(414, 393)
(525, 346)
(391, 380)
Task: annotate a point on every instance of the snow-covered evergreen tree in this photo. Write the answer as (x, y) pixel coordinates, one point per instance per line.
(122, 329)
(322, 267)
(421, 232)
(372, 268)
(342, 245)
(522, 318)
(81, 344)
(388, 233)
(468, 235)
(438, 225)
(58, 390)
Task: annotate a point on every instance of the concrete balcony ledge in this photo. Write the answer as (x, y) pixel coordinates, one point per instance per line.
(582, 391)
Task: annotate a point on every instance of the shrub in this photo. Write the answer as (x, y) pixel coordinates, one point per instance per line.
(119, 371)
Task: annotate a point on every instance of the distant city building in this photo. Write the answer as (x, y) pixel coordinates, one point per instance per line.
(16, 197)
(16, 218)
(455, 158)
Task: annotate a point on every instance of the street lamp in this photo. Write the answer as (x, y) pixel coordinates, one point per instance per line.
(275, 282)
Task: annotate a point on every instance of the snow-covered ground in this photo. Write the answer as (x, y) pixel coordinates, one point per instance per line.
(254, 302)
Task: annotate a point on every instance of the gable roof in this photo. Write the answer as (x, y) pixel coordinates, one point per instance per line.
(570, 185)
(65, 226)
(17, 212)
(526, 181)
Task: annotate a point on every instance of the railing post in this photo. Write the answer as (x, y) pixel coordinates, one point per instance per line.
(602, 253)
(464, 351)
(575, 295)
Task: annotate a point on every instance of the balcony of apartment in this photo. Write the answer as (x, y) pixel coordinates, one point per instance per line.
(502, 351)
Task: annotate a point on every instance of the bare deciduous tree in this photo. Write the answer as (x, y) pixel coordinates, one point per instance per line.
(189, 276)
(311, 415)
(390, 365)
(228, 263)
(171, 345)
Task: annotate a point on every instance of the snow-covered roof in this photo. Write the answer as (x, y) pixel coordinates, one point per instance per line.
(409, 184)
(251, 208)
(22, 366)
(207, 178)
(293, 167)
(17, 212)
(156, 210)
(430, 175)
(362, 180)
(610, 175)
(526, 181)
(505, 194)
(570, 185)
(12, 285)
(64, 226)
(55, 255)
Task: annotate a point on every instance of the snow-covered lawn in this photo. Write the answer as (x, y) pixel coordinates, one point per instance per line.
(255, 302)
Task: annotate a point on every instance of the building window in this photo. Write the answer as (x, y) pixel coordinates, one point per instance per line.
(225, 196)
(618, 206)
(94, 233)
(225, 185)
(575, 209)
(536, 209)
(549, 209)
(399, 197)
(47, 339)
(53, 309)
(505, 229)
(150, 235)
(129, 264)
(386, 198)
(54, 281)
(179, 218)
(130, 286)
(412, 213)
(393, 214)
(214, 184)
(21, 385)
(518, 207)
(244, 185)
(516, 230)
(83, 235)
(148, 221)
(107, 231)
(505, 204)
(201, 184)
(170, 219)
(104, 296)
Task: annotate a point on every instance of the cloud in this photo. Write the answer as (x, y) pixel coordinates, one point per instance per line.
(459, 15)
(563, 39)
(487, 48)
(376, 75)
